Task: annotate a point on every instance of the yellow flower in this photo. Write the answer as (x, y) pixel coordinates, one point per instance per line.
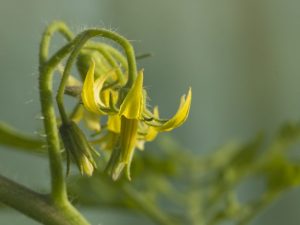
(128, 117)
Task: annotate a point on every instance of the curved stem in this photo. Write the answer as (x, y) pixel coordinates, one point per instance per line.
(81, 40)
(110, 59)
(56, 26)
(58, 185)
(111, 50)
(117, 55)
(50, 124)
(45, 85)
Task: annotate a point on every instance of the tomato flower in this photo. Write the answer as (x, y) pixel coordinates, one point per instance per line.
(130, 123)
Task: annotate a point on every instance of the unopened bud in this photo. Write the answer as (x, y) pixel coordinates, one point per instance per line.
(77, 146)
(84, 60)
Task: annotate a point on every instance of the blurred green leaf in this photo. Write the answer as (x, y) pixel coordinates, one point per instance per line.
(10, 137)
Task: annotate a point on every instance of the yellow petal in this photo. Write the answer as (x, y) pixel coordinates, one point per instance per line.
(97, 90)
(180, 116)
(91, 90)
(133, 104)
(109, 97)
(87, 94)
(105, 95)
(114, 124)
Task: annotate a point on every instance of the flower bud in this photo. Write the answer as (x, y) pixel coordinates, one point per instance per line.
(84, 60)
(77, 146)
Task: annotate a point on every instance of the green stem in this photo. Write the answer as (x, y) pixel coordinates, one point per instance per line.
(79, 43)
(38, 207)
(48, 112)
(56, 26)
(58, 185)
(50, 123)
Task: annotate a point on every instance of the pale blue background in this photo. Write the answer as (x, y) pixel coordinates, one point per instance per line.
(240, 57)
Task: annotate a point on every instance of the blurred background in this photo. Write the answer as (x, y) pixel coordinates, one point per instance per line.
(240, 57)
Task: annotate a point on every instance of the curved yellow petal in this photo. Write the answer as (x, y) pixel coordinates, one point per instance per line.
(104, 96)
(91, 90)
(109, 98)
(181, 114)
(97, 90)
(88, 94)
(133, 104)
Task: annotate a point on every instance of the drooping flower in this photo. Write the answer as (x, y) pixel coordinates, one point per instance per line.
(130, 123)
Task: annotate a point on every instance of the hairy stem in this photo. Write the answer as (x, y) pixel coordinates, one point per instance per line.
(56, 26)
(36, 206)
(58, 185)
(48, 112)
(50, 124)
